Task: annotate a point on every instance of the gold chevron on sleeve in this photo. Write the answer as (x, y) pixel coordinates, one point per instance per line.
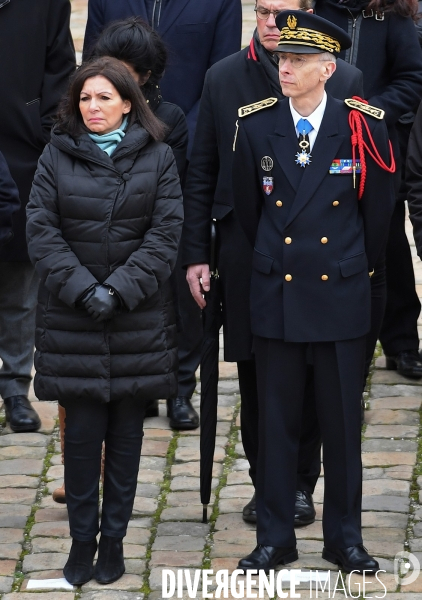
(373, 111)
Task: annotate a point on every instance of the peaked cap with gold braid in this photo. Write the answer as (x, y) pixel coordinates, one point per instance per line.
(305, 33)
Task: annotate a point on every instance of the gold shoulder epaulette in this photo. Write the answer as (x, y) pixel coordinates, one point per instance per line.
(373, 111)
(251, 108)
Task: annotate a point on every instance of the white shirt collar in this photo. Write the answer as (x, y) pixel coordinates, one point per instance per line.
(314, 118)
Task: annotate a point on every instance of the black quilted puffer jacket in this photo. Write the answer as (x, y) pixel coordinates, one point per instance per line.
(118, 220)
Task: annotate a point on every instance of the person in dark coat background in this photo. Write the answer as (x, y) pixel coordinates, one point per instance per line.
(104, 222)
(387, 50)
(414, 179)
(244, 78)
(36, 59)
(197, 34)
(9, 202)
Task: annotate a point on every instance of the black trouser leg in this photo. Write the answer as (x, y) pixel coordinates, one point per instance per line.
(88, 424)
(249, 413)
(189, 336)
(378, 302)
(399, 329)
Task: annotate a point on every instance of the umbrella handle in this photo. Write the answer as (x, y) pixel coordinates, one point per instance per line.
(204, 513)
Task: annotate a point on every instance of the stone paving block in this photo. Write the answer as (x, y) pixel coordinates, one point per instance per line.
(309, 546)
(225, 550)
(17, 495)
(388, 487)
(383, 445)
(192, 469)
(149, 476)
(227, 370)
(154, 448)
(385, 391)
(19, 481)
(40, 595)
(128, 582)
(383, 548)
(185, 499)
(44, 515)
(384, 534)
(144, 506)
(41, 545)
(5, 584)
(10, 551)
(158, 434)
(137, 535)
(225, 413)
(179, 484)
(7, 567)
(223, 428)
(148, 490)
(374, 473)
(56, 459)
(192, 454)
(23, 439)
(375, 459)
(240, 464)
(228, 505)
(417, 530)
(232, 522)
(228, 400)
(416, 586)
(134, 566)
(239, 449)
(156, 579)
(415, 545)
(40, 575)
(395, 402)
(182, 513)
(142, 522)
(179, 529)
(14, 515)
(387, 377)
(21, 452)
(42, 562)
(391, 431)
(391, 417)
(175, 559)
(55, 472)
(174, 543)
(386, 503)
(401, 472)
(312, 531)
(135, 551)
(22, 466)
(108, 595)
(384, 519)
(11, 536)
(245, 536)
(154, 463)
(237, 491)
(56, 529)
(385, 581)
(157, 423)
(239, 478)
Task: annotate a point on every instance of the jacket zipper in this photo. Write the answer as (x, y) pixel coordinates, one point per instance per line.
(159, 4)
(352, 47)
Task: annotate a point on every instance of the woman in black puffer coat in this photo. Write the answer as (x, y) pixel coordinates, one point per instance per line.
(104, 222)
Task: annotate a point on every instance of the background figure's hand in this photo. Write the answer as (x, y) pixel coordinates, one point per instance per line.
(198, 278)
(102, 303)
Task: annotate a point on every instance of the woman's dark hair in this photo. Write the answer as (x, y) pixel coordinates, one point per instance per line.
(133, 41)
(69, 116)
(405, 8)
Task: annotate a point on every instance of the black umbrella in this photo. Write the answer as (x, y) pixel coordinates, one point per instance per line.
(212, 320)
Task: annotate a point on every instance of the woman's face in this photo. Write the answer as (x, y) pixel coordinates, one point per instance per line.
(101, 105)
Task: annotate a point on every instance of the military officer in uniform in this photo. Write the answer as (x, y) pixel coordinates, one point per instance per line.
(307, 203)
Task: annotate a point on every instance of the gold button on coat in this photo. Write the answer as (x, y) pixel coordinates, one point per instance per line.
(279, 203)
(288, 240)
(324, 240)
(324, 277)
(336, 203)
(288, 277)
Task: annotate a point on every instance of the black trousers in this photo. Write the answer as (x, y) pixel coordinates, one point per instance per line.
(281, 373)
(309, 463)
(88, 424)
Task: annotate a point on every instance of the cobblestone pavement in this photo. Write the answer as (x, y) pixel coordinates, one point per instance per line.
(166, 530)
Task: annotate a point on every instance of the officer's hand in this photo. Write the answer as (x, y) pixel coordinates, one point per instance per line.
(101, 303)
(198, 278)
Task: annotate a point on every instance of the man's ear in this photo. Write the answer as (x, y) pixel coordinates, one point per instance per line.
(329, 68)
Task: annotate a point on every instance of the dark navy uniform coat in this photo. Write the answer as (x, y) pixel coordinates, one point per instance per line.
(314, 242)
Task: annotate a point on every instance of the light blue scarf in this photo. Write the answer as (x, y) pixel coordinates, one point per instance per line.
(109, 141)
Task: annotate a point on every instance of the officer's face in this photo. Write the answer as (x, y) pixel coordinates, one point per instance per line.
(303, 75)
(267, 29)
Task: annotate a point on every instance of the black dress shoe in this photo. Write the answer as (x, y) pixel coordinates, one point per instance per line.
(110, 563)
(20, 415)
(79, 567)
(181, 413)
(267, 557)
(249, 511)
(151, 409)
(354, 558)
(304, 509)
(408, 363)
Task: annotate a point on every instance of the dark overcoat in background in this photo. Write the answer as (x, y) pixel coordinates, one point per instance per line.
(233, 82)
(118, 221)
(9, 201)
(197, 33)
(36, 59)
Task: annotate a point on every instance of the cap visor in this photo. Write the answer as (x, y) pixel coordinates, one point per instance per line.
(298, 49)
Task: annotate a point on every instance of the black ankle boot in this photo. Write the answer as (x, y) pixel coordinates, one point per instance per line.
(79, 568)
(110, 563)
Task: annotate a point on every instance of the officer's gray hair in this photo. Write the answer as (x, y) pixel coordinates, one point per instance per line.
(327, 56)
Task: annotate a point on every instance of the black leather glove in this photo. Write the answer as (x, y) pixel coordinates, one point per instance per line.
(101, 302)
